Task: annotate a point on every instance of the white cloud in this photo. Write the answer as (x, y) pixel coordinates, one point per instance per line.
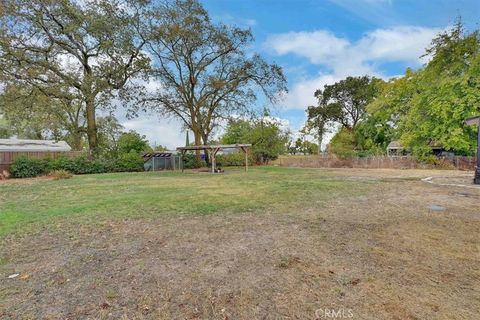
(163, 132)
(318, 46)
(301, 94)
(405, 43)
(342, 57)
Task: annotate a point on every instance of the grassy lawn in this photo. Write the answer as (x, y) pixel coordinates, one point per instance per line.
(95, 198)
(273, 243)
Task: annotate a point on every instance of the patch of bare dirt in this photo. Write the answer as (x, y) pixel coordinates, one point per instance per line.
(14, 181)
(383, 255)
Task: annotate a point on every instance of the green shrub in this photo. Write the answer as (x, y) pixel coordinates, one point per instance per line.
(60, 174)
(190, 161)
(128, 162)
(79, 165)
(24, 167)
(343, 144)
(82, 165)
(233, 159)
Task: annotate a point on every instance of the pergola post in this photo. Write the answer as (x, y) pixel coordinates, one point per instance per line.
(214, 161)
(181, 159)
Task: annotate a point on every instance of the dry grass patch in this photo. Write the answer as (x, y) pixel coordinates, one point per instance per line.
(308, 239)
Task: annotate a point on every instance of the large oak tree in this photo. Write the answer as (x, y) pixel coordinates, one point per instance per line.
(90, 49)
(205, 69)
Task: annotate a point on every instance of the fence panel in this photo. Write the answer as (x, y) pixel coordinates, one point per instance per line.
(374, 162)
(7, 158)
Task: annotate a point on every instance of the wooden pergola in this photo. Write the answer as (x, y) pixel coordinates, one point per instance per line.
(213, 149)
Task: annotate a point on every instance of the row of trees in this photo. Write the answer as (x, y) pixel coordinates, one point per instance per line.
(423, 107)
(62, 62)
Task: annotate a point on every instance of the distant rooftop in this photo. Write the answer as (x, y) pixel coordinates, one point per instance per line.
(395, 145)
(215, 146)
(23, 145)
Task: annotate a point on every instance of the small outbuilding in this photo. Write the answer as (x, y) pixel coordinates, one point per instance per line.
(395, 148)
(161, 160)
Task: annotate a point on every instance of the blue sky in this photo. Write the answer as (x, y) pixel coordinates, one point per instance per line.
(320, 42)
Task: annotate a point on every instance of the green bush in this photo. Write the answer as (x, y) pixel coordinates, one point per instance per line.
(79, 165)
(128, 162)
(24, 167)
(343, 144)
(233, 159)
(190, 161)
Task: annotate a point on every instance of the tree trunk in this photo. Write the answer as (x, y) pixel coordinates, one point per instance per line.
(320, 132)
(91, 128)
(205, 142)
(76, 138)
(198, 141)
(320, 140)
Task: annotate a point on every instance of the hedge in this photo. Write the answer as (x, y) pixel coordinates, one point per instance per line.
(24, 167)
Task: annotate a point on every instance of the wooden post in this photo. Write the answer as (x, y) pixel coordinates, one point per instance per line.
(213, 160)
(181, 159)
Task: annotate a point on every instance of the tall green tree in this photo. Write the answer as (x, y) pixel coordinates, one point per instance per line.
(266, 135)
(109, 132)
(205, 71)
(448, 92)
(132, 142)
(237, 131)
(428, 106)
(320, 119)
(93, 48)
(5, 132)
(30, 113)
(345, 101)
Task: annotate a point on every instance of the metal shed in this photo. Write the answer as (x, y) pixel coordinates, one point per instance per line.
(160, 160)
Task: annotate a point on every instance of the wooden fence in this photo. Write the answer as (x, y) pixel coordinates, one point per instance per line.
(404, 162)
(7, 158)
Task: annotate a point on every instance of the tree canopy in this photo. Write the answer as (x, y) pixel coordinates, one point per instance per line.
(429, 106)
(422, 108)
(265, 134)
(69, 50)
(205, 71)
